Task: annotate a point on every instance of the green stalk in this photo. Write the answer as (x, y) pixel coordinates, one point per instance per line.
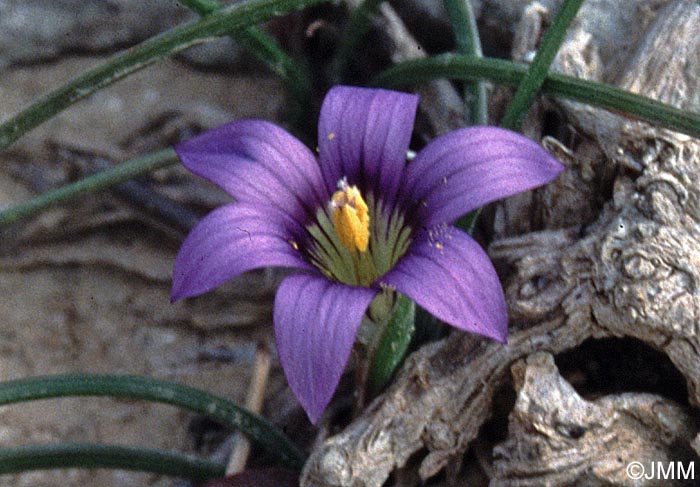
(294, 76)
(202, 7)
(392, 345)
(536, 75)
(230, 19)
(219, 409)
(533, 80)
(91, 184)
(461, 15)
(91, 456)
(558, 85)
(358, 26)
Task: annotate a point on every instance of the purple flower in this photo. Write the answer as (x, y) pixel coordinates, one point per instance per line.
(354, 221)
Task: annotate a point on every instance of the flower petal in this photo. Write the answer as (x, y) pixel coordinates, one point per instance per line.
(363, 134)
(468, 168)
(449, 274)
(316, 321)
(257, 162)
(231, 240)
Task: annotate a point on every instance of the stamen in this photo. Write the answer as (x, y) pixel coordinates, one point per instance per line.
(350, 217)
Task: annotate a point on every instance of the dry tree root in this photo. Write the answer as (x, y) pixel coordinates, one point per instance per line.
(558, 438)
(629, 267)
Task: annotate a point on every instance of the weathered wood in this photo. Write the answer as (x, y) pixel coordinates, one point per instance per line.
(613, 252)
(558, 438)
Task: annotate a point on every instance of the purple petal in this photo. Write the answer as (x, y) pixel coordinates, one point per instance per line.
(363, 134)
(315, 325)
(231, 240)
(257, 162)
(468, 168)
(448, 273)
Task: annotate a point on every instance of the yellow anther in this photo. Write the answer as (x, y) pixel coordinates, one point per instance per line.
(350, 217)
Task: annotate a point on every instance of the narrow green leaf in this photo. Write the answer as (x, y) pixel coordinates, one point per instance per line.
(217, 408)
(461, 15)
(202, 7)
(557, 85)
(356, 29)
(536, 75)
(294, 75)
(91, 456)
(91, 184)
(468, 221)
(227, 20)
(392, 345)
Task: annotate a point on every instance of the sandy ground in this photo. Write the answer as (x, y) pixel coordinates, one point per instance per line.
(85, 287)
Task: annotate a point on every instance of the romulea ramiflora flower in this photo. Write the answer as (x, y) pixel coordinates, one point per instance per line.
(353, 221)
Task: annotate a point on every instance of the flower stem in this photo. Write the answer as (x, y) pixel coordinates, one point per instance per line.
(91, 456)
(229, 19)
(506, 72)
(461, 15)
(532, 82)
(294, 75)
(202, 7)
(357, 27)
(392, 345)
(136, 387)
(382, 342)
(368, 337)
(91, 184)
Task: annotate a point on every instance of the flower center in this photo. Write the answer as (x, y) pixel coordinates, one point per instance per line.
(355, 241)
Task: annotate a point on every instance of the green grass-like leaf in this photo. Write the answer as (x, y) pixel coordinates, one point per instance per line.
(461, 15)
(257, 429)
(225, 21)
(357, 27)
(464, 23)
(294, 75)
(558, 85)
(91, 184)
(91, 456)
(536, 75)
(393, 344)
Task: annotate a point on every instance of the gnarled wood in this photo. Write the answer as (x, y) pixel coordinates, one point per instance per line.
(557, 438)
(625, 266)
